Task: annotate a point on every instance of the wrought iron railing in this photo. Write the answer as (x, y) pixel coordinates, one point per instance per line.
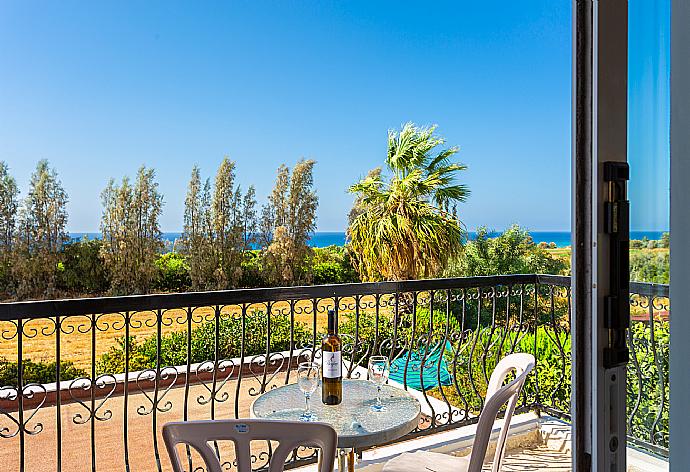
(89, 382)
(648, 370)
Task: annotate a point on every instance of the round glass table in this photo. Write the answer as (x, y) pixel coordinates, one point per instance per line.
(354, 421)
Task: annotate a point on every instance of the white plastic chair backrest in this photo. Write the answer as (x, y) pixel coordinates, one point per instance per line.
(289, 434)
(498, 395)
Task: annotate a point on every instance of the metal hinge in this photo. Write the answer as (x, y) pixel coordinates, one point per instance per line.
(617, 226)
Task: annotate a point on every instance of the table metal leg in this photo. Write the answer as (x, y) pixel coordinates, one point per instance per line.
(346, 460)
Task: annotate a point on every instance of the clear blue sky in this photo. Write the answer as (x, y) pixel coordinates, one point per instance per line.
(648, 113)
(100, 88)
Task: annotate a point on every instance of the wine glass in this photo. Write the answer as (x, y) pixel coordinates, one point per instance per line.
(308, 376)
(379, 370)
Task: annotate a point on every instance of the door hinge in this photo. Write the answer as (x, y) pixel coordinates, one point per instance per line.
(617, 226)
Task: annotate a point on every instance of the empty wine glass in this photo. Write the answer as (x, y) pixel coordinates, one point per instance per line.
(379, 370)
(308, 376)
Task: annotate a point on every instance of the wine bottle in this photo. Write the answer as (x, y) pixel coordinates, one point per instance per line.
(331, 348)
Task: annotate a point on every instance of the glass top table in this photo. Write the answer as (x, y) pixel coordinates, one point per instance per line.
(357, 426)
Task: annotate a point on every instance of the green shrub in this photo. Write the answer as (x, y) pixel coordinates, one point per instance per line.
(173, 273)
(36, 372)
(252, 270)
(647, 383)
(81, 269)
(551, 381)
(423, 325)
(332, 265)
(365, 325)
(511, 252)
(665, 240)
(474, 355)
(478, 353)
(173, 346)
(649, 266)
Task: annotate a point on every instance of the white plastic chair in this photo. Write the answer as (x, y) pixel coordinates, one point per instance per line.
(289, 434)
(496, 396)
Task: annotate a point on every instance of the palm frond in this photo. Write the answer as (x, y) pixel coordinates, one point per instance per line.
(404, 229)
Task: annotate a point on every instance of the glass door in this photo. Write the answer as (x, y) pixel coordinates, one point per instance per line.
(647, 399)
(621, 258)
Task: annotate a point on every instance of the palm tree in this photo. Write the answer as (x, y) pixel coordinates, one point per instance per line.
(401, 226)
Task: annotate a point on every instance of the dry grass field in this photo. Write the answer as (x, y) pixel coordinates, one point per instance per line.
(77, 338)
(79, 343)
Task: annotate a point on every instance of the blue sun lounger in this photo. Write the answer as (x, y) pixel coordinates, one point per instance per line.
(426, 376)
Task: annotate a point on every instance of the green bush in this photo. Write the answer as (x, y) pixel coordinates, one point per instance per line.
(332, 265)
(653, 392)
(365, 325)
(81, 269)
(173, 346)
(475, 354)
(551, 381)
(252, 270)
(649, 266)
(478, 353)
(665, 241)
(36, 372)
(173, 273)
(512, 252)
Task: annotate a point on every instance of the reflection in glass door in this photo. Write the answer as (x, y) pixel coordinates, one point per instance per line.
(648, 192)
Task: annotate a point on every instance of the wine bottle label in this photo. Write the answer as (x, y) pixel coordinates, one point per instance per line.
(331, 365)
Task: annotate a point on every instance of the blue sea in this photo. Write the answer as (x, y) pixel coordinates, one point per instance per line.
(337, 238)
(561, 238)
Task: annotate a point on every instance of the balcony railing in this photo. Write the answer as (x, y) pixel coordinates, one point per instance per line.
(138, 362)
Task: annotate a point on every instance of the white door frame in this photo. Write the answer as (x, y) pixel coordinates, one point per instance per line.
(600, 73)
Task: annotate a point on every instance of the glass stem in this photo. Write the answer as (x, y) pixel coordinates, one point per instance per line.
(378, 395)
(306, 398)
